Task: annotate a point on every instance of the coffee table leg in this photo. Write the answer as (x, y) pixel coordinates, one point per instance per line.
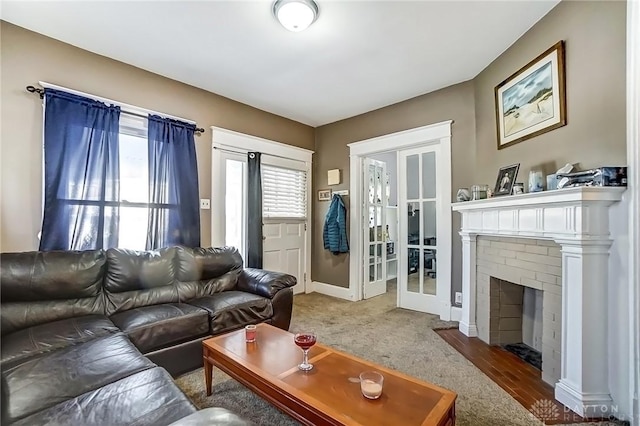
(208, 375)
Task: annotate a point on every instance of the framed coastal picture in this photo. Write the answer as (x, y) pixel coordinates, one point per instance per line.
(532, 100)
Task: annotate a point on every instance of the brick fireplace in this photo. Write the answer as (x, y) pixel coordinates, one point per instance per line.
(505, 267)
(556, 242)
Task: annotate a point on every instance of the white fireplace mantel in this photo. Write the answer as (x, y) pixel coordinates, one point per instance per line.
(571, 213)
(578, 220)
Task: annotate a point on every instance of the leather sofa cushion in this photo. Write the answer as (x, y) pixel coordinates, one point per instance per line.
(139, 278)
(197, 263)
(39, 287)
(230, 310)
(53, 275)
(146, 398)
(158, 326)
(203, 271)
(54, 335)
(50, 378)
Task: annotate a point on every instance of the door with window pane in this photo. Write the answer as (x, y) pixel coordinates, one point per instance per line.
(376, 232)
(284, 209)
(284, 197)
(420, 287)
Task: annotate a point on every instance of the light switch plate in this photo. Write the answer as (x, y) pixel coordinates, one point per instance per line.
(205, 203)
(458, 298)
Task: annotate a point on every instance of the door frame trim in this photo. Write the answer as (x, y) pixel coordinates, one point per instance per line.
(230, 140)
(399, 140)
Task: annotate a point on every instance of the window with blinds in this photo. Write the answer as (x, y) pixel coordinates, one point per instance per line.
(284, 192)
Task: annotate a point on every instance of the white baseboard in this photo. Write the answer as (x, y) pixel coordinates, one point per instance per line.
(332, 290)
(594, 406)
(469, 330)
(456, 313)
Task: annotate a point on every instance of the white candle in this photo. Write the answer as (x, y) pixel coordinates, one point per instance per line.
(370, 389)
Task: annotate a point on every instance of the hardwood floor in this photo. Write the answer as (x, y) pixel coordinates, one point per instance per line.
(521, 380)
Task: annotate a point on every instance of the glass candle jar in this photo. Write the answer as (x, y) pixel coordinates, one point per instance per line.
(479, 192)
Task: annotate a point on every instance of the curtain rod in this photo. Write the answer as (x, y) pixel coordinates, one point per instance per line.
(126, 108)
(263, 153)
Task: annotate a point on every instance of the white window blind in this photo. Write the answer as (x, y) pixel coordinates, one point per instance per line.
(284, 192)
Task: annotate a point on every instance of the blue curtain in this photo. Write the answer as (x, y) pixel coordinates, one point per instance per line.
(174, 215)
(81, 173)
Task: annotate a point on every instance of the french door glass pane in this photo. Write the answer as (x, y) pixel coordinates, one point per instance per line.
(413, 177)
(413, 278)
(429, 175)
(429, 283)
(413, 223)
(429, 223)
(372, 185)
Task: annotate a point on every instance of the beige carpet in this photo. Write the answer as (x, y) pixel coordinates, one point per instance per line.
(376, 330)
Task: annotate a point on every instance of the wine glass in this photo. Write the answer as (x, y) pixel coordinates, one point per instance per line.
(305, 340)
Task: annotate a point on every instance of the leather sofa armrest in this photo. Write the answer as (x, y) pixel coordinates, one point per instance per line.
(264, 283)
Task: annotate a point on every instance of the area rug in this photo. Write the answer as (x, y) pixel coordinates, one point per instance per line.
(376, 330)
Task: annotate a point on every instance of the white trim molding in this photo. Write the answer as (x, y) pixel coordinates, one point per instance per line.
(633, 181)
(243, 142)
(332, 290)
(439, 133)
(401, 140)
(456, 313)
(578, 220)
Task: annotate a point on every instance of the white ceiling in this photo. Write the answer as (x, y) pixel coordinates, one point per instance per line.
(358, 56)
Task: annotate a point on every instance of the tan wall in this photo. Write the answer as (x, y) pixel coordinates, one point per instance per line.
(594, 34)
(28, 57)
(595, 134)
(452, 103)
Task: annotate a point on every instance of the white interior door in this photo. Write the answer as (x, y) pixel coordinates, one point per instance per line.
(376, 198)
(284, 243)
(284, 189)
(422, 287)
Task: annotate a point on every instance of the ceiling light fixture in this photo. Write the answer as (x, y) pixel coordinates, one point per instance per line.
(295, 15)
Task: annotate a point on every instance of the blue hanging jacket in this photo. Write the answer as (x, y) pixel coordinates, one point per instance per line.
(335, 227)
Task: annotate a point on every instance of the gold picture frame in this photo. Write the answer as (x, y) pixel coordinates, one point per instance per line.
(532, 101)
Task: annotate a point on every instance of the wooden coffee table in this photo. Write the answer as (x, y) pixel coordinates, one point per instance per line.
(324, 395)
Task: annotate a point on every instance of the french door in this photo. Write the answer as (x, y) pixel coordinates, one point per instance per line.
(376, 231)
(422, 284)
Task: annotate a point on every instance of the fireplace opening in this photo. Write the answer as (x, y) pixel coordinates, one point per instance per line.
(526, 353)
(516, 320)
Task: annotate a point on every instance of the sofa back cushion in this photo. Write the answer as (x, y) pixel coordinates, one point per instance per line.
(40, 287)
(139, 278)
(203, 271)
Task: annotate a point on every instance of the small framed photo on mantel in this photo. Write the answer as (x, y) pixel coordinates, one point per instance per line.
(506, 178)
